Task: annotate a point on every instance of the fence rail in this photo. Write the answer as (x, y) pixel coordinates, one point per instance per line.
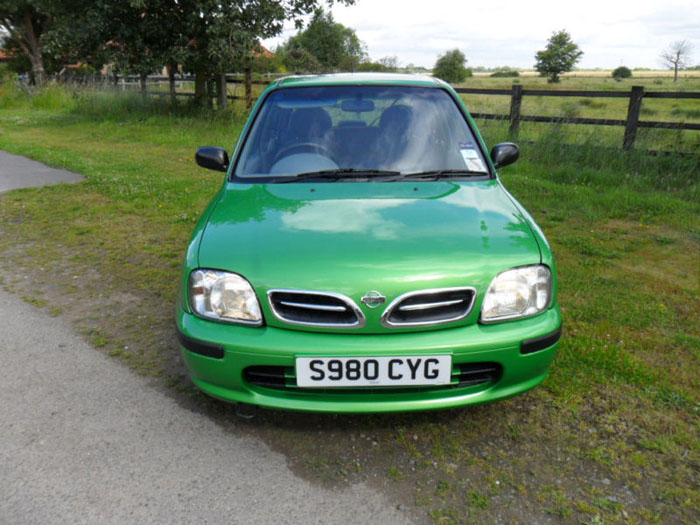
(631, 124)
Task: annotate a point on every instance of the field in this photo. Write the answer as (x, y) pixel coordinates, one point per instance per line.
(612, 436)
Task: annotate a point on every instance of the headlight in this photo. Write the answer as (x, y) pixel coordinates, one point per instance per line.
(224, 296)
(517, 293)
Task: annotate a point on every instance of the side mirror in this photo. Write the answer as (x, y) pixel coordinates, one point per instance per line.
(504, 153)
(212, 158)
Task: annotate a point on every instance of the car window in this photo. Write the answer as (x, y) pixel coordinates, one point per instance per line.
(404, 129)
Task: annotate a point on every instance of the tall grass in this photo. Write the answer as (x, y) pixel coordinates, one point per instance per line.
(594, 161)
(12, 95)
(105, 104)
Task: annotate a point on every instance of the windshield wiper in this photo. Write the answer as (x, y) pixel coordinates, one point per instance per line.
(344, 173)
(436, 174)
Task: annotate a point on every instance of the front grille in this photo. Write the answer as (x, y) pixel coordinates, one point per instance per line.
(308, 308)
(429, 307)
(284, 378)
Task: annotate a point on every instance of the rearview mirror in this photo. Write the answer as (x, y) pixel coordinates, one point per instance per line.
(504, 153)
(212, 158)
(357, 106)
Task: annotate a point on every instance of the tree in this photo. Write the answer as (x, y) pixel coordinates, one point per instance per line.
(451, 68)
(206, 36)
(677, 56)
(25, 22)
(334, 46)
(51, 33)
(560, 56)
(220, 35)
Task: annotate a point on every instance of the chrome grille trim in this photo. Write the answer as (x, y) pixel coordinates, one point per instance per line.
(324, 308)
(396, 304)
(348, 306)
(427, 306)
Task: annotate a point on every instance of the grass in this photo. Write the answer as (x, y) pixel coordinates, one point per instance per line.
(610, 437)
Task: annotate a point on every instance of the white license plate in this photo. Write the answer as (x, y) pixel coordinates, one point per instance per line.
(373, 371)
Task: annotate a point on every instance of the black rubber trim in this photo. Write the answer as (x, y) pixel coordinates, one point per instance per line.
(540, 343)
(201, 347)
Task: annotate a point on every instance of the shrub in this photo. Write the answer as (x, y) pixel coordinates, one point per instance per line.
(622, 72)
(501, 74)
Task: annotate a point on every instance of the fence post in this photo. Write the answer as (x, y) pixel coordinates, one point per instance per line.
(248, 89)
(221, 90)
(516, 100)
(635, 107)
(171, 81)
(142, 79)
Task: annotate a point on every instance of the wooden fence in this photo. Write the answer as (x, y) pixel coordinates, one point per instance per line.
(631, 124)
(123, 80)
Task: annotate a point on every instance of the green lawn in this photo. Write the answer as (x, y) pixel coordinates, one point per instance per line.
(612, 436)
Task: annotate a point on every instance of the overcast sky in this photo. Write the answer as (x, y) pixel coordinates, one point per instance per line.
(501, 32)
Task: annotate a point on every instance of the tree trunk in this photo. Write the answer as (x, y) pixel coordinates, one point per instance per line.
(34, 54)
(38, 69)
(675, 72)
(200, 87)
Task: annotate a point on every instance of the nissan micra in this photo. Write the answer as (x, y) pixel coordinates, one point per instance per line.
(362, 255)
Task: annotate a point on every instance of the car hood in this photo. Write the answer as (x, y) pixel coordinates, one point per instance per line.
(352, 238)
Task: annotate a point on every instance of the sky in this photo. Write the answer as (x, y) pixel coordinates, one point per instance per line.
(494, 33)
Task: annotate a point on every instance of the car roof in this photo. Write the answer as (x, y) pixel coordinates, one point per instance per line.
(335, 79)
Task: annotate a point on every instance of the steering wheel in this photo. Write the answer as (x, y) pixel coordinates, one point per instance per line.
(300, 148)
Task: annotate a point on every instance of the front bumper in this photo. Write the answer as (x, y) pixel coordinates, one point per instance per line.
(522, 367)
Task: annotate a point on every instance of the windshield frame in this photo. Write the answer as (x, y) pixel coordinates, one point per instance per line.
(490, 173)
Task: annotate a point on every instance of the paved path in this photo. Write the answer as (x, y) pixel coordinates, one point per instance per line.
(21, 172)
(85, 440)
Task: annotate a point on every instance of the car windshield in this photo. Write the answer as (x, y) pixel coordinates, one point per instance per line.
(359, 130)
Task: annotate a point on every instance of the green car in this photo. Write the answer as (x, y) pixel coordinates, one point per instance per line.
(363, 256)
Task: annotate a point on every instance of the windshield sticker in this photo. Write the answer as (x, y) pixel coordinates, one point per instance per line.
(472, 160)
(475, 165)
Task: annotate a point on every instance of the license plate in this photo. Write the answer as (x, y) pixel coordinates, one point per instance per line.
(373, 371)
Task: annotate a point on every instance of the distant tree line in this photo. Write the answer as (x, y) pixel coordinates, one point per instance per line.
(208, 38)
